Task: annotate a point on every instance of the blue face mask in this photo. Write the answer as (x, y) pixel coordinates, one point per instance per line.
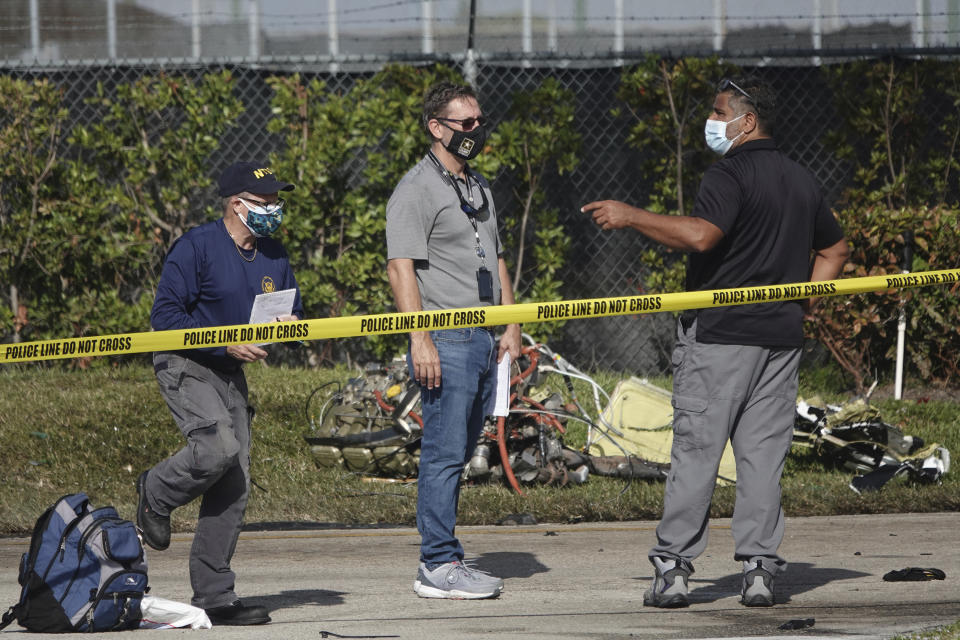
(262, 220)
(715, 133)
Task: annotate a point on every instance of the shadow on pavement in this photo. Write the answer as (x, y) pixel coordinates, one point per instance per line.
(799, 577)
(299, 597)
(510, 564)
(803, 576)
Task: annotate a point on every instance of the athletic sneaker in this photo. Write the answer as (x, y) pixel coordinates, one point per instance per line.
(669, 588)
(757, 590)
(457, 581)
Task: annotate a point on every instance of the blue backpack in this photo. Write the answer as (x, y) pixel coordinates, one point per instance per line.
(85, 571)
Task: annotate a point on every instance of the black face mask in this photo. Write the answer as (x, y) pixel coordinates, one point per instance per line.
(467, 144)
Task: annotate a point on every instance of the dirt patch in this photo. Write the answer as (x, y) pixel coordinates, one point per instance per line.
(927, 393)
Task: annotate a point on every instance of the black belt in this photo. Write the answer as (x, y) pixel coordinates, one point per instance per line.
(228, 370)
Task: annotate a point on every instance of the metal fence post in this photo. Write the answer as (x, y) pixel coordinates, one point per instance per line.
(902, 317)
(426, 15)
(470, 62)
(35, 29)
(112, 29)
(552, 26)
(253, 17)
(817, 30)
(195, 42)
(719, 24)
(919, 25)
(333, 35)
(618, 32)
(527, 27)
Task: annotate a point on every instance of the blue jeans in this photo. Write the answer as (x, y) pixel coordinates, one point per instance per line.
(453, 416)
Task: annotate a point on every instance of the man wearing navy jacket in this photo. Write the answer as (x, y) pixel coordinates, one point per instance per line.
(210, 278)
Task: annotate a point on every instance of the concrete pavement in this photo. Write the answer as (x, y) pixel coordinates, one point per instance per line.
(576, 581)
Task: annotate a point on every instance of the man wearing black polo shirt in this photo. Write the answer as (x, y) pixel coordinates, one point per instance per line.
(759, 219)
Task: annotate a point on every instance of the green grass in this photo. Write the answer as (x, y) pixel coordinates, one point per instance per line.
(69, 430)
(949, 632)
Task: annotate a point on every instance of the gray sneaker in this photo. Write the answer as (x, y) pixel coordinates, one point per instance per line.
(757, 590)
(457, 581)
(669, 588)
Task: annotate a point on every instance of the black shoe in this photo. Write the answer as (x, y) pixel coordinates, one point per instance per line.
(237, 614)
(154, 527)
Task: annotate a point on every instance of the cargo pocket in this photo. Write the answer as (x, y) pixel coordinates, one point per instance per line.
(689, 421)
(214, 450)
(169, 371)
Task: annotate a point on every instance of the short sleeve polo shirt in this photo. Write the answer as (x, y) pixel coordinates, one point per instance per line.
(773, 214)
(425, 224)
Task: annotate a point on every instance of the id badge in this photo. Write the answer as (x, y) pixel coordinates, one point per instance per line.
(485, 284)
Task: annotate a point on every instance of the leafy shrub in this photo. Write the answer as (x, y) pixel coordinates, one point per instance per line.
(902, 161)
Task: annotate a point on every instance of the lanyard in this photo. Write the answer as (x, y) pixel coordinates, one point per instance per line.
(467, 208)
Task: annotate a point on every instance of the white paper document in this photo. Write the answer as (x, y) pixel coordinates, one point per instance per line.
(501, 403)
(267, 307)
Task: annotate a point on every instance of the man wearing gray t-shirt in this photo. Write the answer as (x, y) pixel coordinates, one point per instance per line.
(443, 252)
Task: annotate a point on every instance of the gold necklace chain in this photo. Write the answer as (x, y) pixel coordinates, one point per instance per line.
(256, 246)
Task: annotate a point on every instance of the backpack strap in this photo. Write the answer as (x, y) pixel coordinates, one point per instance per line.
(124, 617)
(11, 615)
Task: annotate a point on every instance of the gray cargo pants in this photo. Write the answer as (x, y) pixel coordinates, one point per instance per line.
(745, 394)
(211, 410)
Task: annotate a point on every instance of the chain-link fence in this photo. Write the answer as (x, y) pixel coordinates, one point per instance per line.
(600, 263)
(607, 263)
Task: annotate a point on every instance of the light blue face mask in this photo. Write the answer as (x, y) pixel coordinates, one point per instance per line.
(262, 220)
(715, 132)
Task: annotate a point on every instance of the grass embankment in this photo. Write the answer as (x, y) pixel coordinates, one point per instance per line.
(95, 431)
(950, 632)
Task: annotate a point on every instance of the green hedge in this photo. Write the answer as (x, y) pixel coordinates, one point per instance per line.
(88, 212)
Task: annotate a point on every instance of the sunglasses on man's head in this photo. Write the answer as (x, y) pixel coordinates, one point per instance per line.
(465, 123)
(726, 84)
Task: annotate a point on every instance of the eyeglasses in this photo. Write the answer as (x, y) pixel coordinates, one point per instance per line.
(467, 124)
(465, 206)
(727, 83)
(472, 213)
(269, 207)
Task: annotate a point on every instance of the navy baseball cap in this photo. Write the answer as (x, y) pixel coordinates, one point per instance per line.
(252, 177)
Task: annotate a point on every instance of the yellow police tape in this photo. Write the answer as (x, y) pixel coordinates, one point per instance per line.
(322, 328)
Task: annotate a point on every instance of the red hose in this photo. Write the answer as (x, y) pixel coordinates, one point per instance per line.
(548, 417)
(383, 403)
(534, 358)
(501, 421)
(504, 456)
